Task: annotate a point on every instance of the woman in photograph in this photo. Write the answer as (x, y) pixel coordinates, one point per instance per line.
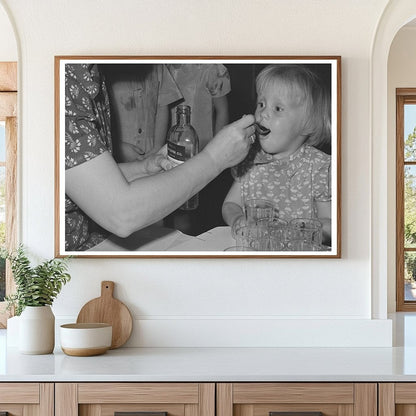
(104, 197)
(140, 98)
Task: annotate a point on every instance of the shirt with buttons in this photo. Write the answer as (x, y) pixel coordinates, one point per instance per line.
(135, 100)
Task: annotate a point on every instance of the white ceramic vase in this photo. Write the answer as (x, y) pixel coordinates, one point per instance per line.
(37, 330)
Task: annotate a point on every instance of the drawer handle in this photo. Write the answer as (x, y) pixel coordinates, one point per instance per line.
(140, 414)
(295, 414)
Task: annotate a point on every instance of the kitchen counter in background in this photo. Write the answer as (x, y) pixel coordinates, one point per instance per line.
(215, 364)
(223, 364)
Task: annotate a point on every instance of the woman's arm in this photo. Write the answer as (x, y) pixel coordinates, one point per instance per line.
(324, 215)
(221, 112)
(100, 189)
(232, 205)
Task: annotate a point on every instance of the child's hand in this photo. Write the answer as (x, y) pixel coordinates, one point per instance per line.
(238, 222)
(231, 211)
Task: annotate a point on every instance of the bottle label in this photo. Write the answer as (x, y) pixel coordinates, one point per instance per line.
(176, 153)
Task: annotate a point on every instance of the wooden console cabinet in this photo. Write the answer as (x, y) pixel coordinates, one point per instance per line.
(208, 399)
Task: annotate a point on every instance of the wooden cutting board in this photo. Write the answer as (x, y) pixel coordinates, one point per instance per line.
(107, 309)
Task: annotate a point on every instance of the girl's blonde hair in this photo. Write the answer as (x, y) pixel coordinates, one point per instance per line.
(303, 85)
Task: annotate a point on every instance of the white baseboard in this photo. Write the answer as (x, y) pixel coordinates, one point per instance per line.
(189, 332)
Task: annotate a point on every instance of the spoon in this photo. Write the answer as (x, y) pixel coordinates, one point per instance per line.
(261, 158)
(256, 156)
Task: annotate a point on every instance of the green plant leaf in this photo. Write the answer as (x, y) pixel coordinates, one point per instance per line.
(35, 286)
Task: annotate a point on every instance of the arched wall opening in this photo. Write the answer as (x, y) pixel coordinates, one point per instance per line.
(396, 15)
(401, 74)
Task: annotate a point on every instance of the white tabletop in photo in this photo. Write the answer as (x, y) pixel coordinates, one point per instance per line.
(159, 238)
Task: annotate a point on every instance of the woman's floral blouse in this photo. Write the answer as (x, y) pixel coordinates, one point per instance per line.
(294, 184)
(87, 135)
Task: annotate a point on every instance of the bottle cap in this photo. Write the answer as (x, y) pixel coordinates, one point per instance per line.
(182, 108)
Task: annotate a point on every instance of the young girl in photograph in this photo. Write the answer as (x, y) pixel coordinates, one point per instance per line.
(293, 121)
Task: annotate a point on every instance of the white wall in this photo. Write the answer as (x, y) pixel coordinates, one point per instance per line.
(401, 74)
(8, 47)
(201, 299)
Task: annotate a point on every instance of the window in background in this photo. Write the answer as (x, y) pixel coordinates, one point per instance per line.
(406, 199)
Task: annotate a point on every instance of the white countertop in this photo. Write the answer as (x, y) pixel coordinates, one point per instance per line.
(222, 364)
(215, 364)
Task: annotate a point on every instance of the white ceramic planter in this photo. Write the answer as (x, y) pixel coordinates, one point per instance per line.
(37, 330)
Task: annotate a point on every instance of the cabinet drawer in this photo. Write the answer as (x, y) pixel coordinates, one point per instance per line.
(138, 393)
(21, 399)
(297, 399)
(145, 399)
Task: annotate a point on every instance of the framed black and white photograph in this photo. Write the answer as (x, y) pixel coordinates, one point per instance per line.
(198, 156)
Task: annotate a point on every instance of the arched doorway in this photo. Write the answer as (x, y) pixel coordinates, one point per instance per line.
(396, 15)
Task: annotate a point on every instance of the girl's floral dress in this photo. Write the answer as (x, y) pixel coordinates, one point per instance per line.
(294, 184)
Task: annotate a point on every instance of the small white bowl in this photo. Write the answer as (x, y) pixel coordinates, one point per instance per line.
(84, 340)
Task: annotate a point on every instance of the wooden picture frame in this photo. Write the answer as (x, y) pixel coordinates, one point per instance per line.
(153, 242)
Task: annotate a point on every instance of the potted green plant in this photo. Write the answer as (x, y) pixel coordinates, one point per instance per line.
(36, 289)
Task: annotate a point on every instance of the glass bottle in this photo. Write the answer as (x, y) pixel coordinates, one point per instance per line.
(183, 144)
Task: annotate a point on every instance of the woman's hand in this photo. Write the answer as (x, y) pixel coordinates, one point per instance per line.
(231, 145)
(156, 163)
